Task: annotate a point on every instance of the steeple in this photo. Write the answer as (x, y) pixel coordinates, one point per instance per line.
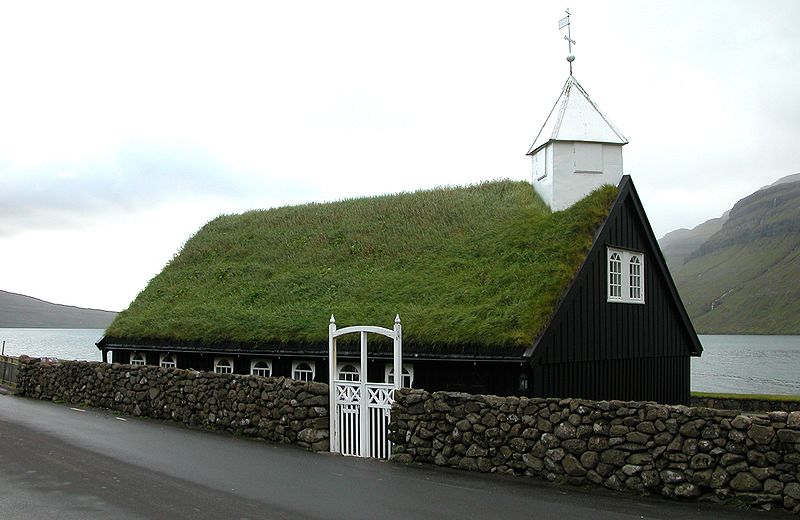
(577, 149)
(576, 117)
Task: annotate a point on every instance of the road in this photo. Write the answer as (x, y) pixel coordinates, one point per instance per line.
(60, 462)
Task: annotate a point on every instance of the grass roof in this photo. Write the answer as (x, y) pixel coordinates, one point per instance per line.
(477, 265)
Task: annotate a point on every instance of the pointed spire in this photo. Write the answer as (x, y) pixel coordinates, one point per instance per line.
(397, 319)
(333, 320)
(576, 117)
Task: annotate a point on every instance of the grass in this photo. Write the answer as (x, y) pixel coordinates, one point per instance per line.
(482, 264)
(755, 397)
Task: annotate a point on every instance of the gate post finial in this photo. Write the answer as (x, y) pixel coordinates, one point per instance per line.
(333, 320)
(397, 319)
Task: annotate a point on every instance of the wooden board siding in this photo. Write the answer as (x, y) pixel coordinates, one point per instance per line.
(600, 350)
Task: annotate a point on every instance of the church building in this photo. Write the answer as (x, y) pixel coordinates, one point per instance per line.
(554, 290)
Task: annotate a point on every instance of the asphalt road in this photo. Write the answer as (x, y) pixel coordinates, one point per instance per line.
(59, 462)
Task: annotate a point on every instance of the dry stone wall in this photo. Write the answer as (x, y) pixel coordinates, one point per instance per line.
(277, 409)
(677, 451)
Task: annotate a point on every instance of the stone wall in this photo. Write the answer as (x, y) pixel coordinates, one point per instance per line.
(277, 409)
(746, 405)
(643, 447)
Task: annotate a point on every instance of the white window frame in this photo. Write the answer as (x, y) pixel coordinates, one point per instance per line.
(625, 291)
(219, 369)
(138, 362)
(348, 376)
(168, 364)
(253, 367)
(297, 374)
(408, 375)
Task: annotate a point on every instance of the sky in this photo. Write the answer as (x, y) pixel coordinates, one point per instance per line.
(125, 127)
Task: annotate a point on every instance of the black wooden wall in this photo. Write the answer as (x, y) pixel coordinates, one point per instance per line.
(600, 350)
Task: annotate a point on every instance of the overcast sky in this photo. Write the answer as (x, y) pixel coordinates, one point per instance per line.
(125, 127)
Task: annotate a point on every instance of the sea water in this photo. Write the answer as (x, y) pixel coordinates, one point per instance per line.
(57, 343)
(729, 364)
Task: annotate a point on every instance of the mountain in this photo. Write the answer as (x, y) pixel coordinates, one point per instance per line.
(677, 245)
(740, 273)
(17, 310)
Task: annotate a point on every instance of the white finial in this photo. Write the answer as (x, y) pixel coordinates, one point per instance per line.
(397, 319)
(333, 320)
(564, 22)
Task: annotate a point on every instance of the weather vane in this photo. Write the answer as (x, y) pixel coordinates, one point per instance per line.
(564, 22)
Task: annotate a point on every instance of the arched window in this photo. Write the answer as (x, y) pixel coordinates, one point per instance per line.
(261, 367)
(614, 275)
(348, 372)
(635, 266)
(303, 370)
(223, 366)
(168, 361)
(408, 375)
(137, 358)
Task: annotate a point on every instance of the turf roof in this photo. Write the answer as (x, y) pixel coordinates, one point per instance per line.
(478, 265)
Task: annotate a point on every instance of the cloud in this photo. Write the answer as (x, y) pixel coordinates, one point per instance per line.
(135, 177)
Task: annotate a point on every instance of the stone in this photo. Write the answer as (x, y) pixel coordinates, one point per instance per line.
(464, 425)
(763, 473)
(702, 478)
(745, 481)
(691, 428)
(741, 422)
(676, 444)
(597, 443)
(756, 458)
(773, 486)
(574, 446)
(701, 461)
(792, 490)
(793, 420)
(468, 464)
(719, 477)
(637, 437)
(615, 457)
(534, 463)
(640, 459)
(761, 434)
(618, 430)
(672, 476)
(590, 459)
(730, 458)
(476, 451)
(550, 441)
(613, 482)
(687, 490)
(572, 466)
(789, 436)
(662, 438)
(565, 430)
(631, 469)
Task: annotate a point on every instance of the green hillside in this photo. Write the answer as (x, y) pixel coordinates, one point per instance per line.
(485, 262)
(745, 279)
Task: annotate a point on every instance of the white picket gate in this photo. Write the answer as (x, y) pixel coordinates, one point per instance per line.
(360, 411)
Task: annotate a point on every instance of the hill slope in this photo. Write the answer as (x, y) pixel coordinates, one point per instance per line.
(17, 310)
(745, 278)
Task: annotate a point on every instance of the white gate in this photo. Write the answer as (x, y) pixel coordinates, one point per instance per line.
(359, 410)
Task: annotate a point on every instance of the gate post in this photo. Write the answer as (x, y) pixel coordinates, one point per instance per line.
(364, 408)
(398, 353)
(333, 435)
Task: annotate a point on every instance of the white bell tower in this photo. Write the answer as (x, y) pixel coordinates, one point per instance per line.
(578, 149)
